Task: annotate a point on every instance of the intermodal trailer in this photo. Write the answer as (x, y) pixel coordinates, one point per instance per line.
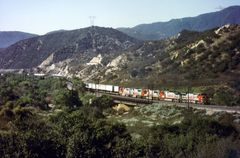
(91, 86)
(116, 89)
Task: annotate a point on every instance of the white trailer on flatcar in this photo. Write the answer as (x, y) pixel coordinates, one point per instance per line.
(90, 85)
(116, 89)
(109, 88)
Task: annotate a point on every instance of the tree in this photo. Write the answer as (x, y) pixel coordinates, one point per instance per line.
(30, 136)
(224, 96)
(103, 102)
(67, 98)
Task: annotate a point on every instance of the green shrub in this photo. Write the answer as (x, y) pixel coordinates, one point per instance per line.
(224, 96)
(66, 98)
(103, 102)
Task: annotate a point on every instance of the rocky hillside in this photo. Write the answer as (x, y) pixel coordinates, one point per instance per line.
(8, 38)
(66, 52)
(160, 30)
(190, 56)
(106, 55)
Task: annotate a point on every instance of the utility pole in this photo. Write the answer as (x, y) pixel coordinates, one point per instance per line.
(153, 87)
(148, 93)
(98, 80)
(188, 95)
(96, 89)
(150, 89)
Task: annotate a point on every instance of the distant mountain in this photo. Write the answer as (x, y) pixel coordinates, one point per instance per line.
(160, 30)
(8, 38)
(66, 52)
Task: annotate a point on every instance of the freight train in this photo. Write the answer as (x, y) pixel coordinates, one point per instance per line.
(163, 95)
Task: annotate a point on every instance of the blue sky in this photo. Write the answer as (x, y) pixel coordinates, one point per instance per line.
(41, 16)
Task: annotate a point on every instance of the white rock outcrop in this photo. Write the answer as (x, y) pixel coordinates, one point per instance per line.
(218, 31)
(115, 64)
(46, 62)
(199, 43)
(96, 60)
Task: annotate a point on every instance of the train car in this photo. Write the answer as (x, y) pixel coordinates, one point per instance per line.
(87, 85)
(91, 86)
(192, 98)
(187, 97)
(150, 94)
(116, 89)
(154, 94)
(109, 88)
(169, 96)
(101, 87)
(129, 92)
(145, 93)
(202, 99)
(137, 93)
(124, 91)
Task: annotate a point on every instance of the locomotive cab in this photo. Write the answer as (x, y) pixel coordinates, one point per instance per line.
(203, 98)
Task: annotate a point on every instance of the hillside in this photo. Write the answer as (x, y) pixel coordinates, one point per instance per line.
(8, 38)
(66, 52)
(160, 30)
(191, 56)
(107, 55)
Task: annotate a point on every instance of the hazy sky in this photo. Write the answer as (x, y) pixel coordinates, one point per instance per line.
(41, 16)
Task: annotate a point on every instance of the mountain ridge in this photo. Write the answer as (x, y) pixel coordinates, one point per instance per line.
(106, 54)
(161, 30)
(8, 38)
(62, 50)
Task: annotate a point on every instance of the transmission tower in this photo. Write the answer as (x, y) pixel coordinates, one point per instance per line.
(92, 18)
(92, 31)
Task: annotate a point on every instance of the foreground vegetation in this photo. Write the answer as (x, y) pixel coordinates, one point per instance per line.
(80, 125)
